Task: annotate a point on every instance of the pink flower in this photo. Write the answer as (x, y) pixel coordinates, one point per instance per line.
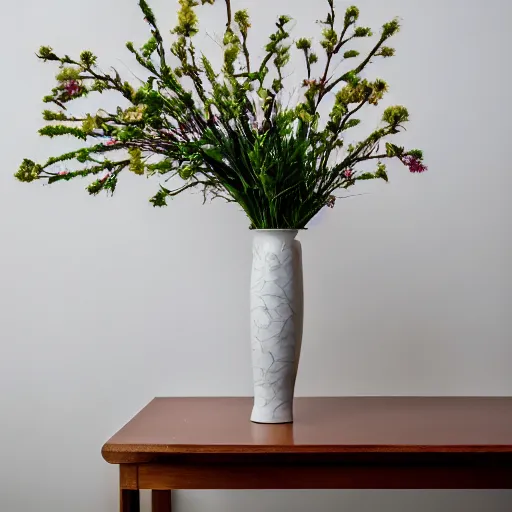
(72, 87)
(63, 173)
(105, 177)
(348, 173)
(415, 165)
(110, 142)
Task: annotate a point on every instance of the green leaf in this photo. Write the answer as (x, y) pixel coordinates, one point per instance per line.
(28, 171)
(159, 200)
(46, 53)
(56, 131)
(395, 115)
(393, 150)
(351, 15)
(363, 32)
(416, 153)
(391, 28)
(366, 176)
(350, 54)
(381, 172)
(136, 164)
(88, 59)
(303, 44)
(50, 115)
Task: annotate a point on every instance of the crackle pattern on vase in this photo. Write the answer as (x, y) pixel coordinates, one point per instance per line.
(276, 323)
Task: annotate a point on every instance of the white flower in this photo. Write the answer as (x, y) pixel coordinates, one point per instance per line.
(258, 118)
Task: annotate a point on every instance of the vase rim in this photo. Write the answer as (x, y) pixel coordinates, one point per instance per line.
(275, 230)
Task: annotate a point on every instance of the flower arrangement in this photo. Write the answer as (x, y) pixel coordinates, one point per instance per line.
(231, 133)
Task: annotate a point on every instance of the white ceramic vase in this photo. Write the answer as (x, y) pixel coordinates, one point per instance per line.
(277, 300)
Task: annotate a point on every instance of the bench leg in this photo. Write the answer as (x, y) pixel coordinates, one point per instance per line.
(161, 501)
(130, 501)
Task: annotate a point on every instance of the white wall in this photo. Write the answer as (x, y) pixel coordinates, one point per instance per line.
(107, 303)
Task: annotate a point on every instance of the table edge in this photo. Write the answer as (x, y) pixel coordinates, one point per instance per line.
(131, 453)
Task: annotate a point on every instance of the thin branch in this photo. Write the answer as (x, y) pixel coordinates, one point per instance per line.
(246, 52)
(359, 68)
(329, 53)
(352, 112)
(308, 65)
(342, 42)
(335, 135)
(373, 157)
(175, 192)
(229, 14)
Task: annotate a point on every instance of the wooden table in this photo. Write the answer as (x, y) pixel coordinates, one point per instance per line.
(335, 443)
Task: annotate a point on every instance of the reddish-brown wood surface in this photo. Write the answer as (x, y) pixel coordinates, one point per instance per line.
(221, 426)
(161, 501)
(480, 475)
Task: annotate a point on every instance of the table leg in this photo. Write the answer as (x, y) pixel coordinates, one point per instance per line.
(130, 501)
(161, 501)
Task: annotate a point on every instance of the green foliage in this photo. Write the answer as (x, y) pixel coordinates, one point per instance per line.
(330, 39)
(395, 115)
(232, 133)
(136, 114)
(243, 21)
(391, 28)
(46, 53)
(351, 15)
(186, 172)
(68, 73)
(393, 150)
(49, 115)
(371, 92)
(136, 164)
(416, 153)
(89, 124)
(303, 44)
(28, 171)
(187, 19)
(386, 51)
(160, 198)
(232, 49)
(149, 48)
(55, 131)
(282, 57)
(147, 11)
(95, 187)
(366, 176)
(87, 59)
(363, 32)
(162, 167)
(350, 54)
(381, 172)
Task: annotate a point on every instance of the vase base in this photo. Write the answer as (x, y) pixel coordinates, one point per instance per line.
(266, 417)
(272, 422)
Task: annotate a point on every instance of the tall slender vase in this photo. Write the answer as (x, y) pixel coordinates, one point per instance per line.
(277, 300)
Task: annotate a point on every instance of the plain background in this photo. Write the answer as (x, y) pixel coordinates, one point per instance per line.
(106, 303)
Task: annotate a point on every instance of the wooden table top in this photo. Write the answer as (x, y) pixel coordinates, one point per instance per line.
(180, 426)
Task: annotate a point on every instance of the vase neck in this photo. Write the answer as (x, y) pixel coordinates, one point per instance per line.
(282, 235)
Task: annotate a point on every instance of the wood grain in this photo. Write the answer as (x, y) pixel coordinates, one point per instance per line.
(187, 426)
(128, 477)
